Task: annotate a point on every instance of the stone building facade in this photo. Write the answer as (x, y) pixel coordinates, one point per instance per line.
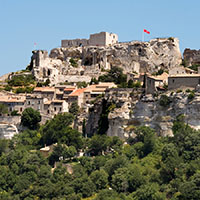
(185, 80)
(97, 39)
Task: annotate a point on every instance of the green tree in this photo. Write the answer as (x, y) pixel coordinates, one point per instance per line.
(98, 144)
(164, 100)
(190, 190)
(3, 146)
(147, 136)
(171, 162)
(70, 152)
(30, 118)
(100, 178)
(114, 75)
(74, 108)
(53, 130)
(3, 109)
(84, 186)
(149, 192)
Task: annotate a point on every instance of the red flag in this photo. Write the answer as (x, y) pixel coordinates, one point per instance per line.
(146, 31)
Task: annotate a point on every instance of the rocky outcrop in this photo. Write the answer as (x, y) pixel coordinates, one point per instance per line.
(7, 131)
(191, 57)
(131, 112)
(92, 61)
(9, 126)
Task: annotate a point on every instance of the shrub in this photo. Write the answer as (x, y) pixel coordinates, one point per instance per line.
(191, 96)
(8, 88)
(73, 62)
(171, 39)
(179, 91)
(81, 84)
(164, 100)
(188, 90)
(194, 67)
(24, 90)
(21, 80)
(14, 113)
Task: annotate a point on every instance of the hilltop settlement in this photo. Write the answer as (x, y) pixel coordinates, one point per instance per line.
(99, 119)
(133, 76)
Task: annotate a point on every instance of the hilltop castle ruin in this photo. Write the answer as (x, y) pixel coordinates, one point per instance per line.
(97, 39)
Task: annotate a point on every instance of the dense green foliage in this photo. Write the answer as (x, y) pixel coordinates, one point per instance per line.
(73, 62)
(24, 90)
(74, 108)
(164, 100)
(21, 80)
(81, 84)
(3, 109)
(194, 67)
(30, 118)
(147, 167)
(115, 75)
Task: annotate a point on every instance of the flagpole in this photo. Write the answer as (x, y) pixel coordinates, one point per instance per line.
(143, 36)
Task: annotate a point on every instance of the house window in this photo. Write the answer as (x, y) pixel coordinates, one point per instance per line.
(29, 102)
(54, 108)
(38, 102)
(47, 111)
(20, 109)
(10, 109)
(173, 80)
(60, 109)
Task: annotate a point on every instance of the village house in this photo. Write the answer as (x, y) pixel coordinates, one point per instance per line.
(45, 92)
(59, 89)
(77, 96)
(181, 70)
(156, 83)
(35, 101)
(183, 80)
(14, 102)
(69, 89)
(93, 91)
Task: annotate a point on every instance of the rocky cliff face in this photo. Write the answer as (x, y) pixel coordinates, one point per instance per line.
(81, 63)
(191, 57)
(148, 112)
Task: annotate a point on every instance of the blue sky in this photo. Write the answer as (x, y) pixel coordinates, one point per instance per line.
(46, 22)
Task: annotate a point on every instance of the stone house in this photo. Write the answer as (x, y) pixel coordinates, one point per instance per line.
(55, 107)
(156, 83)
(183, 80)
(45, 92)
(77, 96)
(93, 91)
(13, 102)
(68, 90)
(35, 101)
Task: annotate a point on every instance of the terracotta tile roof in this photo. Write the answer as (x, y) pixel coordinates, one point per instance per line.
(161, 77)
(69, 89)
(57, 101)
(185, 75)
(8, 99)
(44, 89)
(77, 92)
(47, 102)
